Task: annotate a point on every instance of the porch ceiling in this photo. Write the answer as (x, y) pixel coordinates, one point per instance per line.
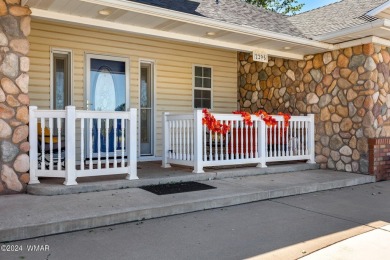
(157, 22)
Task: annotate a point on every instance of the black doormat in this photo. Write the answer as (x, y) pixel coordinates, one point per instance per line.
(164, 189)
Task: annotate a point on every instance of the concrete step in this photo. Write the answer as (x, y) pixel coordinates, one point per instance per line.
(28, 216)
(215, 173)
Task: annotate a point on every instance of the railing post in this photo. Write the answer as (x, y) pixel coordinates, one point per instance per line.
(311, 139)
(33, 137)
(198, 144)
(70, 146)
(131, 145)
(166, 143)
(262, 144)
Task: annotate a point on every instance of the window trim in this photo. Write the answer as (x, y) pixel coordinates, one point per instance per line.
(196, 88)
(154, 81)
(69, 52)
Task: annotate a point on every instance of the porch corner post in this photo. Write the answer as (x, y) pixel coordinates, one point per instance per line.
(311, 140)
(33, 135)
(166, 144)
(70, 146)
(262, 143)
(131, 135)
(198, 147)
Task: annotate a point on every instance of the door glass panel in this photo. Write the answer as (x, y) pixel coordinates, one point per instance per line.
(61, 80)
(146, 111)
(107, 93)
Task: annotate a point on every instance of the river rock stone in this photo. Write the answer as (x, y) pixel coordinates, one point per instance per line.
(346, 150)
(6, 112)
(325, 100)
(25, 25)
(24, 99)
(316, 74)
(3, 39)
(22, 163)
(17, 10)
(335, 142)
(312, 98)
(2, 96)
(10, 65)
(356, 61)
(9, 87)
(20, 134)
(22, 114)
(342, 61)
(25, 147)
(8, 151)
(370, 64)
(22, 82)
(10, 178)
(12, 101)
(20, 45)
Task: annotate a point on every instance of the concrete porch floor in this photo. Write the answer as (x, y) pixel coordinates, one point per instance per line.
(28, 216)
(151, 173)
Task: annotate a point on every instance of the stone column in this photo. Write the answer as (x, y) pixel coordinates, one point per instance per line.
(14, 99)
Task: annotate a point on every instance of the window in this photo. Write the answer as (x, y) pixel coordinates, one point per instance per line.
(61, 79)
(202, 87)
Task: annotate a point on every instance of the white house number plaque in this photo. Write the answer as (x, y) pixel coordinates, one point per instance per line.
(260, 56)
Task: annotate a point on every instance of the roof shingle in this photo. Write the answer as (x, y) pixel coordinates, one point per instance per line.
(334, 17)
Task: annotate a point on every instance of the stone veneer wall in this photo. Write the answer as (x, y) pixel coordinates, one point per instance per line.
(14, 100)
(347, 89)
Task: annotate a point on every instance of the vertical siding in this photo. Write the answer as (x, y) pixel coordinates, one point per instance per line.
(173, 61)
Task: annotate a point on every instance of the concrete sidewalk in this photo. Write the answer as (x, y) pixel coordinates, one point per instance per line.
(27, 216)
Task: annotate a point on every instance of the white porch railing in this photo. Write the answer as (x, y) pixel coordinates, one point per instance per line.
(188, 142)
(58, 138)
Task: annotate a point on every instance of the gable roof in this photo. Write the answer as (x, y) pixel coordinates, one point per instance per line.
(335, 17)
(231, 11)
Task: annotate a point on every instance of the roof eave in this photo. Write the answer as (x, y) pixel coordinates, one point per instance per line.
(344, 32)
(193, 19)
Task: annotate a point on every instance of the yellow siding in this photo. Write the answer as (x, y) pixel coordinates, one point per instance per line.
(173, 61)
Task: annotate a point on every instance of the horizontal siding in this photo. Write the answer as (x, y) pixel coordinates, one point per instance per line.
(173, 60)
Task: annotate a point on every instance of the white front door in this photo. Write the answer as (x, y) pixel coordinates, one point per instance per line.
(107, 90)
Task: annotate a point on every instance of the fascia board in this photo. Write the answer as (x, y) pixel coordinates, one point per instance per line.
(379, 9)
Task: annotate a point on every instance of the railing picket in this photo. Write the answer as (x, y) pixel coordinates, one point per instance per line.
(299, 137)
(220, 140)
(43, 165)
(51, 143)
(246, 141)
(115, 142)
(107, 137)
(90, 143)
(231, 140)
(180, 129)
(256, 138)
(227, 142)
(82, 144)
(59, 144)
(99, 125)
(123, 142)
(192, 139)
(307, 139)
(204, 143)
